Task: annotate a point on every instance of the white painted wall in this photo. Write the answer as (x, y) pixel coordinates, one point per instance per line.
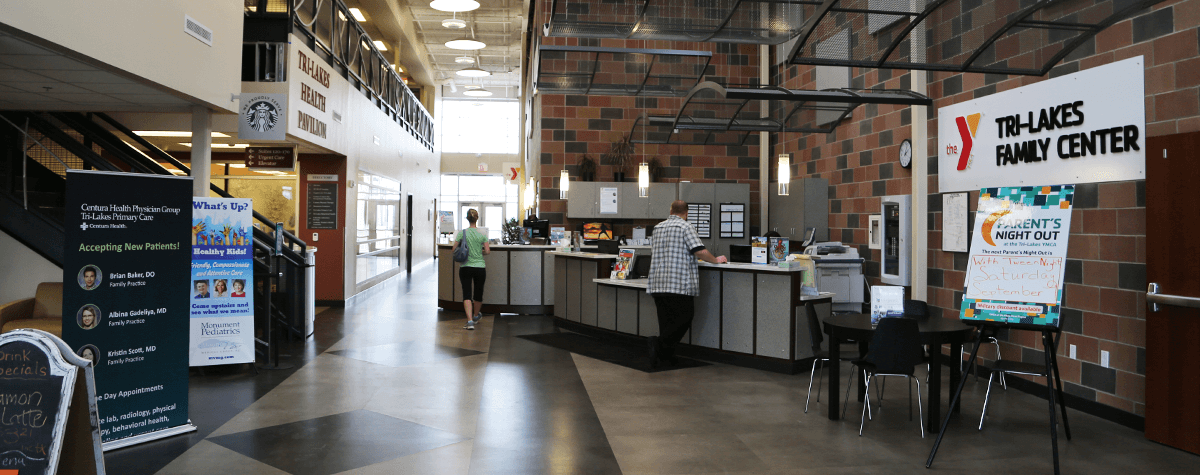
(21, 270)
(146, 39)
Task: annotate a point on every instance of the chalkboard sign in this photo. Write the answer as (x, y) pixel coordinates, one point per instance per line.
(322, 206)
(35, 387)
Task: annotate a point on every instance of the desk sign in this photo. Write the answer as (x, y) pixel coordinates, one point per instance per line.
(126, 270)
(271, 158)
(48, 402)
(1017, 258)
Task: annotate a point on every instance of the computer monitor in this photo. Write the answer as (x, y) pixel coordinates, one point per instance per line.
(608, 246)
(538, 228)
(810, 237)
(641, 267)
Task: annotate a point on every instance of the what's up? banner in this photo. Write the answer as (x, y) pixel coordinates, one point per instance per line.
(221, 297)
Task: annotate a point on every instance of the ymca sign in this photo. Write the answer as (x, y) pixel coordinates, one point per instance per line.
(1085, 127)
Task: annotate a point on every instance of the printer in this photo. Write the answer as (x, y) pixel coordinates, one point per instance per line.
(839, 270)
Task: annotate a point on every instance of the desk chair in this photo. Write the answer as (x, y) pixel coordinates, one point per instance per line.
(895, 351)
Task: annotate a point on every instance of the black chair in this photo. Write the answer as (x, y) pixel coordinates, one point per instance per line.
(974, 340)
(895, 351)
(1015, 367)
(815, 338)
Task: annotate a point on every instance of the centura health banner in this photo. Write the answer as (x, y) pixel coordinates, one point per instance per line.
(125, 263)
(1018, 256)
(1085, 127)
(222, 303)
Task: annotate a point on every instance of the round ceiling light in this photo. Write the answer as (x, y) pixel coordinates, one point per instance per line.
(454, 5)
(473, 72)
(464, 60)
(454, 23)
(478, 92)
(465, 44)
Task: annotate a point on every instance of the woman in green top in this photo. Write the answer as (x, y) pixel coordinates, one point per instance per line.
(472, 273)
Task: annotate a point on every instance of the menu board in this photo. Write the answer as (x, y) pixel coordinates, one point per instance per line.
(126, 271)
(322, 206)
(33, 406)
(1017, 259)
(700, 216)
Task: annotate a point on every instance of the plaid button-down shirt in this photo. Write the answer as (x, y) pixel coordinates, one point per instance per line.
(673, 269)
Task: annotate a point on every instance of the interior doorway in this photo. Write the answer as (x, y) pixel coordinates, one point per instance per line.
(491, 217)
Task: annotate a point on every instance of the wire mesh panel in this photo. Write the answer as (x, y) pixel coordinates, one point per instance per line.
(1006, 36)
(619, 71)
(729, 21)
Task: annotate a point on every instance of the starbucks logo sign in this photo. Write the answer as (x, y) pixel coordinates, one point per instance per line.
(263, 117)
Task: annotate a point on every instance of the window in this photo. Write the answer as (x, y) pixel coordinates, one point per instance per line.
(480, 126)
(377, 242)
(495, 200)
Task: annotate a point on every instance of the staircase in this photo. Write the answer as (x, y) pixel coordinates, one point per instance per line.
(36, 150)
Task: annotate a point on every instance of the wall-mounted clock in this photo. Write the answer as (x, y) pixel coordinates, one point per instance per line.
(906, 153)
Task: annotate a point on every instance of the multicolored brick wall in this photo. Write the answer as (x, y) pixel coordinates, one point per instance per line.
(1105, 275)
(570, 126)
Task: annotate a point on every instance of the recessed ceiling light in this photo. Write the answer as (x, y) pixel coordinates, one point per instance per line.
(454, 23)
(466, 44)
(357, 14)
(472, 72)
(380, 45)
(464, 60)
(172, 133)
(454, 5)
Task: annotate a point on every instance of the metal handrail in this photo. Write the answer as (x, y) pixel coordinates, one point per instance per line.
(1154, 299)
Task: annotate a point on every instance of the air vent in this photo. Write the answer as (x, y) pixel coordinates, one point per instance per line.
(198, 31)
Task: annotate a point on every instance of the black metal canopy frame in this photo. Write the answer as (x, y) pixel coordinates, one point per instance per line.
(1023, 37)
(618, 71)
(726, 21)
(713, 114)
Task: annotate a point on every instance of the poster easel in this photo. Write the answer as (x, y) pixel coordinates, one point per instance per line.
(1050, 337)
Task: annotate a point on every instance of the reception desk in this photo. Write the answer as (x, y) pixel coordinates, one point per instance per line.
(746, 314)
(519, 280)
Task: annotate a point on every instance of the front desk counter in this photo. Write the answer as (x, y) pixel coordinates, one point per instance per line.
(519, 280)
(746, 314)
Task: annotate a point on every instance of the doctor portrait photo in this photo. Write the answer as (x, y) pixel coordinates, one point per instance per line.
(88, 316)
(90, 353)
(89, 277)
(201, 287)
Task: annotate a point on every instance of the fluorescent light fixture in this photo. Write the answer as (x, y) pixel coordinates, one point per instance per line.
(357, 14)
(237, 165)
(454, 5)
(173, 133)
(465, 44)
(220, 145)
(564, 184)
(477, 92)
(785, 173)
(464, 60)
(380, 45)
(454, 23)
(472, 72)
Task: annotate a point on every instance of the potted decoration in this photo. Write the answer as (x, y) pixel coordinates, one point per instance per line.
(587, 168)
(655, 167)
(620, 156)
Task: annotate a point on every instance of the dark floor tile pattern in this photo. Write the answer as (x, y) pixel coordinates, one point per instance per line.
(405, 354)
(336, 443)
(632, 356)
(535, 415)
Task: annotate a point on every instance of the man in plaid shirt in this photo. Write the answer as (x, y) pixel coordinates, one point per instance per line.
(675, 280)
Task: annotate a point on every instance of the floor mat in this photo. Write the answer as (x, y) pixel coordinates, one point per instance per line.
(615, 352)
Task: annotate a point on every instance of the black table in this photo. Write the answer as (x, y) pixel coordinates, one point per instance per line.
(934, 332)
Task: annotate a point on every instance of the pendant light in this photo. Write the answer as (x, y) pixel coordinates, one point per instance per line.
(472, 72)
(785, 173)
(644, 179)
(465, 44)
(454, 22)
(564, 184)
(454, 5)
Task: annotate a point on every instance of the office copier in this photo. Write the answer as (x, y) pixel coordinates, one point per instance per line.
(839, 270)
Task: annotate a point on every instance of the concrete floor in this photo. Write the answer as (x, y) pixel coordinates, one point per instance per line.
(393, 385)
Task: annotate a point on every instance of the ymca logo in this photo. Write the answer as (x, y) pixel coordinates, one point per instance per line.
(967, 127)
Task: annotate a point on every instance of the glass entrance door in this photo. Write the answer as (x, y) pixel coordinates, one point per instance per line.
(491, 216)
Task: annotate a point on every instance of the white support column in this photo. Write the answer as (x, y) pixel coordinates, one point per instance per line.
(920, 170)
(201, 150)
(764, 142)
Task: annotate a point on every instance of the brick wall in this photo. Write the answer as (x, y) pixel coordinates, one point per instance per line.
(1106, 274)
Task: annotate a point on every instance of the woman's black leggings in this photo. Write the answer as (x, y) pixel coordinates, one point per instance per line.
(472, 282)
